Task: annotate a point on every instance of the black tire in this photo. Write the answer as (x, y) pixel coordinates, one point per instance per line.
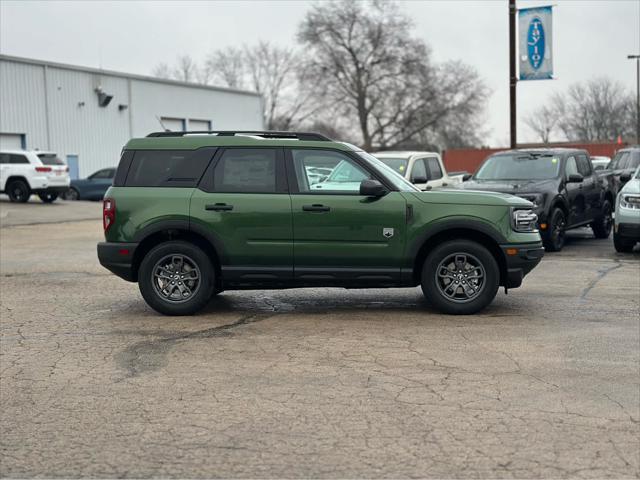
(602, 226)
(48, 197)
(454, 298)
(157, 270)
(554, 237)
(71, 194)
(621, 244)
(18, 191)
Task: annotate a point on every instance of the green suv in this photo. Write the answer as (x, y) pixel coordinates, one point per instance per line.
(191, 214)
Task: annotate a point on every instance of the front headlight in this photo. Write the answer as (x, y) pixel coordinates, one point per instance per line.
(524, 220)
(630, 201)
(536, 198)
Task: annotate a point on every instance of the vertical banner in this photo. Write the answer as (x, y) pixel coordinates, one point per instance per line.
(535, 31)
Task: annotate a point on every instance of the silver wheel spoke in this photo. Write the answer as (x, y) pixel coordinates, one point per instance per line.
(176, 278)
(460, 277)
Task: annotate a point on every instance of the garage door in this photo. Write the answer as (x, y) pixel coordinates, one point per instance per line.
(10, 141)
(173, 124)
(199, 125)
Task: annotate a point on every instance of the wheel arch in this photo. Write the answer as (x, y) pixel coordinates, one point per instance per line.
(13, 178)
(177, 230)
(476, 231)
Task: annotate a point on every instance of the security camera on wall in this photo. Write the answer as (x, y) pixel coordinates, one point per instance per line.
(103, 98)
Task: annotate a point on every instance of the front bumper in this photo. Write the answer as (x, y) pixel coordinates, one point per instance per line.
(520, 260)
(118, 258)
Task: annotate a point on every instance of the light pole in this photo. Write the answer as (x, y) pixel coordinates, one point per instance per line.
(637, 59)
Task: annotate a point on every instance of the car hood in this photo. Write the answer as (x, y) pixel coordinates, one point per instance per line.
(470, 197)
(632, 186)
(513, 187)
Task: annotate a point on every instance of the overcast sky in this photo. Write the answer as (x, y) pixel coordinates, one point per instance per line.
(591, 38)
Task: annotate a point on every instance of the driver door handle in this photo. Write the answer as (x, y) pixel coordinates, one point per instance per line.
(219, 207)
(316, 207)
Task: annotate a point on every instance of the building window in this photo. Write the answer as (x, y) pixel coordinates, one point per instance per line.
(174, 124)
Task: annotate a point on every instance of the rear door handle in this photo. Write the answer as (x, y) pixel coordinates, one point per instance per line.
(316, 207)
(219, 207)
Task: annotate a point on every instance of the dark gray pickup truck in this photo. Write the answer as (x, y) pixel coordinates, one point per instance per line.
(562, 185)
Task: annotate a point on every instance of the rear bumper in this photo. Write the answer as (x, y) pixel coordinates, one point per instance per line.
(118, 258)
(520, 260)
(50, 190)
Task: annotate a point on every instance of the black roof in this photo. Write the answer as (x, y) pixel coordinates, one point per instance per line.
(547, 151)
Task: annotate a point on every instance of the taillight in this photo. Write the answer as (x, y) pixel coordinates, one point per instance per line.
(108, 213)
(43, 169)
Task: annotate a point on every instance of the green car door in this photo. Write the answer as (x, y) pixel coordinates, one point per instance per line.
(243, 203)
(340, 235)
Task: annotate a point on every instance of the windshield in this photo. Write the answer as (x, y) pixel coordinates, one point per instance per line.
(519, 167)
(398, 164)
(394, 177)
(50, 159)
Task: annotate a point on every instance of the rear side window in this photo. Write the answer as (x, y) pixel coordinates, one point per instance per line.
(435, 172)
(50, 159)
(246, 170)
(166, 168)
(21, 159)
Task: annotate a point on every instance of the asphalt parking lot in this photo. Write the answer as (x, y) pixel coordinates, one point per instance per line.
(311, 383)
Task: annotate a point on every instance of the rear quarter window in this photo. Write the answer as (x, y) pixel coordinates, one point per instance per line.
(165, 168)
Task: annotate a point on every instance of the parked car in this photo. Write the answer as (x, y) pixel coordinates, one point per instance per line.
(561, 183)
(624, 161)
(424, 169)
(24, 172)
(91, 188)
(626, 232)
(191, 215)
(600, 162)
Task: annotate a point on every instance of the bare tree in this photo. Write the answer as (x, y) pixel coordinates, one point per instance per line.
(184, 70)
(543, 121)
(276, 73)
(363, 56)
(598, 109)
(162, 70)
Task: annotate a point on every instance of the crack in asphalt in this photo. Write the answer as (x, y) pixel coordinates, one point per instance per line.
(150, 355)
(600, 275)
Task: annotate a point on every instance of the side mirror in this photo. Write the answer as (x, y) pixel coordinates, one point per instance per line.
(372, 188)
(419, 179)
(466, 177)
(625, 177)
(575, 178)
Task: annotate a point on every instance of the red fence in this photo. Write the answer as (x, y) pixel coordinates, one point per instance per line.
(469, 159)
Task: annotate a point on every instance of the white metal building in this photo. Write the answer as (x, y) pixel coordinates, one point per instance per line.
(86, 115)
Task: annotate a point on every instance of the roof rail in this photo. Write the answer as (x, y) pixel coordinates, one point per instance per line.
(308, 136)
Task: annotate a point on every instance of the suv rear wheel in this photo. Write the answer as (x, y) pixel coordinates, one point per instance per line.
(176, 278)
(460, 277)
(48, 197)
(18, 191)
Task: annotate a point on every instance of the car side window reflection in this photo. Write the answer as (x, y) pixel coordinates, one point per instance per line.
(327, 171)
(571, 168)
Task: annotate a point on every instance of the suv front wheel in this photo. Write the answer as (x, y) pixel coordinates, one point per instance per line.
(460, 277)
(176, 278)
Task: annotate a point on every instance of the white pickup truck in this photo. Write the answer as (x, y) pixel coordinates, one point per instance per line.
(424, 169)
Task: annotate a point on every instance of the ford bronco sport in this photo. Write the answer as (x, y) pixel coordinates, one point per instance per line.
(191, 214)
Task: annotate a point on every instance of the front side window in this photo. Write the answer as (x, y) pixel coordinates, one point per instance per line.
(584, 166)
(435, 172)
(572, 167)
(619, 162)
(419, 170)
(327, 171)
(246, 170)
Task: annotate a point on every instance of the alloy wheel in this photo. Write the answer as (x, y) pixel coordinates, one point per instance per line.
(176, 278)
(460, 277)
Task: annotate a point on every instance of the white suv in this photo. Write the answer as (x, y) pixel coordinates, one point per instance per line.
(25, 172)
